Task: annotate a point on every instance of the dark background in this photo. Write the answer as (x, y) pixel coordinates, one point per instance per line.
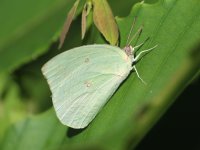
(179, 128)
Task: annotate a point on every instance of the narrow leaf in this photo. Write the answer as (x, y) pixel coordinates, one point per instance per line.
(67, 23)
(83, 22)
(85, 13)
(105, 21)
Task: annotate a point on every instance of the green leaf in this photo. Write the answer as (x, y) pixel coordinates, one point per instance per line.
(135, 107)
(3, 82)
(105, 21)
(12, 109)
(28, 28)
(39, 132)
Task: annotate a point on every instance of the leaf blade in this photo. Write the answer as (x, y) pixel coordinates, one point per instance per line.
(29, 35)
(104, 21)
(67, 23)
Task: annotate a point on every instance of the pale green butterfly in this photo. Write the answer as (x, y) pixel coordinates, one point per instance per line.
(84, 78)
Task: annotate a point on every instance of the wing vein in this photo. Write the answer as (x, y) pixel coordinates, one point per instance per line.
(73, 104)
(94, 96)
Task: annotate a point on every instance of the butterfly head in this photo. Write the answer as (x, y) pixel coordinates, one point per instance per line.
(129, 50)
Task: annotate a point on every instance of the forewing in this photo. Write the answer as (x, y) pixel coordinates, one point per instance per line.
(83, 79)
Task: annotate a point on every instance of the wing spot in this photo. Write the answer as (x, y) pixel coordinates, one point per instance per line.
(87, 60)
(87, 84)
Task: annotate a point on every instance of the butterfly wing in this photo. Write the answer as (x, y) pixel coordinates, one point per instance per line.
(83, 79)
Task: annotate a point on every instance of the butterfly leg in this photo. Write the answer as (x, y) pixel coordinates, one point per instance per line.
(134, 67)
(137, 58)
(143, 52)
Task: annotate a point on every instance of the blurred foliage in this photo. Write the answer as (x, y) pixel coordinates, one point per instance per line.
(28, 38)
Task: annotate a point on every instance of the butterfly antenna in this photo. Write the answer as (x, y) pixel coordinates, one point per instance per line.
(139, 34)
(129, 35)
(146, 39)
(139, 31)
